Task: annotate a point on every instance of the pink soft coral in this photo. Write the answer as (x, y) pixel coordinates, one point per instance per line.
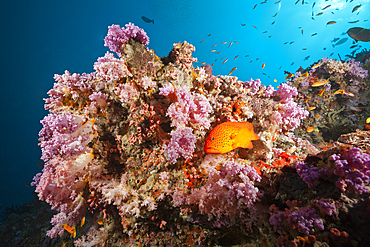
(117, 36)
(227, 192)
(189, 107)
(182, 143)
(110, 68)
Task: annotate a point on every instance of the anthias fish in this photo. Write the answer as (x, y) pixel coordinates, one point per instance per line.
(356, 8)
(320, 83)
(230, 135)
(331, 22)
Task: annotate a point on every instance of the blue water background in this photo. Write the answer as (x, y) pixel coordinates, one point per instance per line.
(41, 38)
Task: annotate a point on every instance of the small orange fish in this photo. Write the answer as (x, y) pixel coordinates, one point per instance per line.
(310, 129)
(214, 45)
(340, 91)
(316, 66)
(356, 8)
(305, 74)
(263, 65)
(243, 24)
(367, 127)
(302, 31)
(236, 57)
(327, 6)
(209, 34)
(319, 13)
(289, 76)
(218, 52)
(83, 221)
(321, 92)
(254, 26)
(231, 43)
(233, 69)
(320, 83)
(224, 61)
(255, 6)
(317, 115)
(71, 230)
(331, 22)
(203, 63)
(311, 108)
(64, 243)
(212, 50)
(230, 135)
(224, 42)
(274, 15)
(202, 41)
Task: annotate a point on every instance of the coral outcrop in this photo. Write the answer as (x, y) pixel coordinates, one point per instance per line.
(125, 164)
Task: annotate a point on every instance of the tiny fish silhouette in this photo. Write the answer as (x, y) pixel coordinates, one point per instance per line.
(147, 20)
(230, 135)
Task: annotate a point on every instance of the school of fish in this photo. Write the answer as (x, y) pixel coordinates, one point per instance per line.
(324, 11)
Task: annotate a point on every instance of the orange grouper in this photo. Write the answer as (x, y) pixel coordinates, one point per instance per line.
(230, 135)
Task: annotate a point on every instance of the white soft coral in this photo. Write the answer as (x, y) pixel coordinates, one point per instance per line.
(94, 238)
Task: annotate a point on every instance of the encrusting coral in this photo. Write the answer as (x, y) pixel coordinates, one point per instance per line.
(124, 149)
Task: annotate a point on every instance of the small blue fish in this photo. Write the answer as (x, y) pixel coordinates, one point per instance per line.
(147, 20)
(335, 40)
(340, 42)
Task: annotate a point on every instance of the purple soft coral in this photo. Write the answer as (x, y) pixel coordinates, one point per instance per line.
(57, 135)
(253, 86)
(117, 36)
(286, 92)
(353, 169)
(326, 206)
(289, 115)
(304, 219)
(307, 173)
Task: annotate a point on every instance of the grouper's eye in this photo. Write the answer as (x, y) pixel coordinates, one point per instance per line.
(213, 138)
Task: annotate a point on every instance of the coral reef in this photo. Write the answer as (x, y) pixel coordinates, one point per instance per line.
(125, 163)
(344, 91)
